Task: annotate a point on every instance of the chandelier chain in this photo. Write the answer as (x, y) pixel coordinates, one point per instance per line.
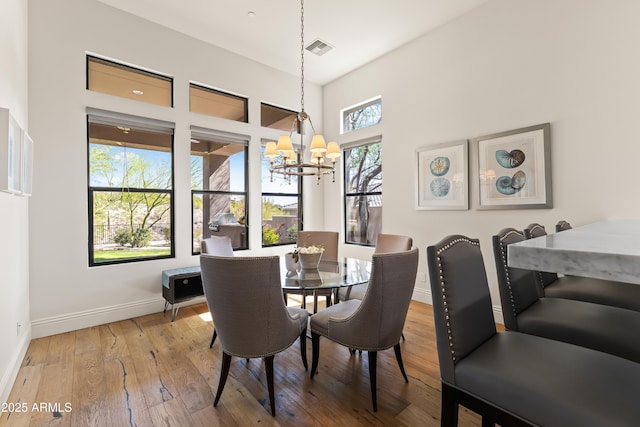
(302, 56)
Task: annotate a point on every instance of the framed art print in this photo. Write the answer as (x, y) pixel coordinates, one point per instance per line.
(514, 169)
(442, 181)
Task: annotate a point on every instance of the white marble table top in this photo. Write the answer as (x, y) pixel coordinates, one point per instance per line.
(605, 250)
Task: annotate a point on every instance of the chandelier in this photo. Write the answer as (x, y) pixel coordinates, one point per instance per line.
(287, 161)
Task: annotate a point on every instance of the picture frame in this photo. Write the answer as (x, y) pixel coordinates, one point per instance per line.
(10, 153)
(514, 169)
(442, 176)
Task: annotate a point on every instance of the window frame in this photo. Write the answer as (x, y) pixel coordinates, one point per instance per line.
(298, 195)
(199, 86)
(115, 119)
(242, 140)
(347, 194)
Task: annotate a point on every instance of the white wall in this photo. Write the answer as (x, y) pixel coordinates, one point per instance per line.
(14, 210)
(65, 293)
(506, 65)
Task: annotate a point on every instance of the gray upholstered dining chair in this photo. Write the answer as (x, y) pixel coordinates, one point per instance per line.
(385, 243)
(244, 295)
(375, 323)
(599, 291)
(218, 246)
(327, 240)
(600, 327)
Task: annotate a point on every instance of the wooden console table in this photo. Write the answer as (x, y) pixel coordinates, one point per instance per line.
(180, 284)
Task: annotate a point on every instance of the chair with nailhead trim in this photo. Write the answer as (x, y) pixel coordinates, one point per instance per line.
(511, 378)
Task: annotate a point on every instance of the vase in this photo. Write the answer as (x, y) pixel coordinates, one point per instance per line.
(290, 262)
(309, 261)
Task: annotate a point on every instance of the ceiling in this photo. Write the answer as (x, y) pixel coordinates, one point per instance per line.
(359, 30)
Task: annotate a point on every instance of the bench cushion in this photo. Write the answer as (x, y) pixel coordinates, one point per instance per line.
(552, 383)
(617, 294)
(600, 327)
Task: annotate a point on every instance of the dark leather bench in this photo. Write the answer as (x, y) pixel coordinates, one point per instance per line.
(600, 327)
(513, 378)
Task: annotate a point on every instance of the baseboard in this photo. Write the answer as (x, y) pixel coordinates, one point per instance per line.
(9, 376)
(88, 318)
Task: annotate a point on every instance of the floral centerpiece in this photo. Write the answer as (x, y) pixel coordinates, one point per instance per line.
(308, 256)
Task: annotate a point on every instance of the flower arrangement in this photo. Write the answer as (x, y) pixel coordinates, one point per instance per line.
(306, 250)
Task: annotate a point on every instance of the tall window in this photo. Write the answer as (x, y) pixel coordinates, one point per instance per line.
(219, 186)
(281, 207)
(363, 192)
(361, 116)
(130, 188)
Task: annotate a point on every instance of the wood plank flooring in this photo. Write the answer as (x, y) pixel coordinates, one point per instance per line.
(149, 371)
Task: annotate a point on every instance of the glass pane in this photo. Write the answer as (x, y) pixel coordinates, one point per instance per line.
(131, 225)
(279, 220)
(276, 183)
(363, 168)
(129, 158)
(217, 104)
(128, 82)
(217, 166)
(363, 219)
(362, 116)
(219, 215)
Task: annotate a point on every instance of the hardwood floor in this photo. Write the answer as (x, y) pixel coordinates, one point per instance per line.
(148, 371)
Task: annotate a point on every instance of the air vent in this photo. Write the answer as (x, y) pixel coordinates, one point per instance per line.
(319, 47)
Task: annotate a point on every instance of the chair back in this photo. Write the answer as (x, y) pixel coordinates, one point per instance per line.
(462, 310)
(245, 299)
(378, 322)
(392, 243)
(536, 230)
(563, 226)
(518, 288)
(217, 245)
(327, 239)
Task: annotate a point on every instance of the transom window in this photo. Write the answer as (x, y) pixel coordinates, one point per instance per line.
(216, 103)
(125, 81)
(130, 188)
(278, 118)
(361, 116)
(363, 192)
(219, 186)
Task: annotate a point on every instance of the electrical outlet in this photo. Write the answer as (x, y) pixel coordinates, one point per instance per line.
(423, 277)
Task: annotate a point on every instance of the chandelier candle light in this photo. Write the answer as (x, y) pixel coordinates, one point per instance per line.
(284, 159)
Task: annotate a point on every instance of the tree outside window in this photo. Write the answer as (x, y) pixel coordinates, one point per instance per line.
(363, 193)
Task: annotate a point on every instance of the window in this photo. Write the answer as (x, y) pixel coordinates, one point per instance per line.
(362, 115)
(128, 82)
(363, 192)
(281, 207)
(216, 103)
(130, 188)
(219, 187)
(277, 118)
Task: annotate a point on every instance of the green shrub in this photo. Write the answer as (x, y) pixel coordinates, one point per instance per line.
(123, 237)
(269, 236)
(140, 237)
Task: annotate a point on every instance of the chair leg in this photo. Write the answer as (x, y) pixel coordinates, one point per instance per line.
(268, 365)
(303, 348)
(213, 339)
(373, 358)
(315, 352)
(449, 410)
(226, 364)
(396, 348)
